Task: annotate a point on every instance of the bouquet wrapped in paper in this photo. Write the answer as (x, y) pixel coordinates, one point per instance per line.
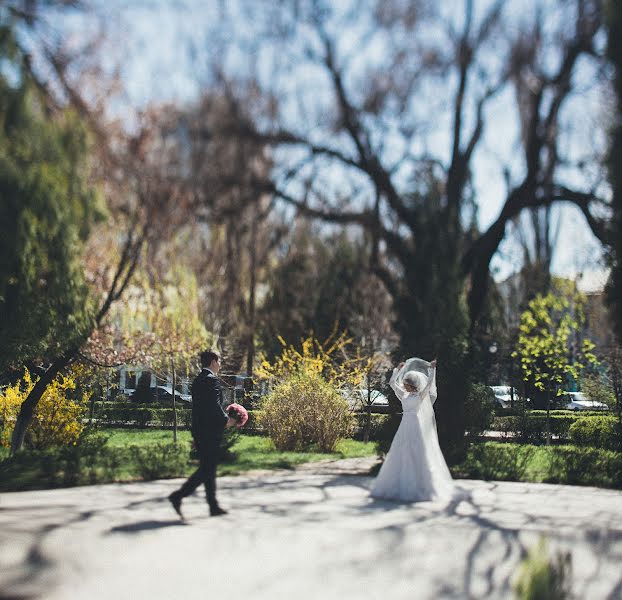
(238, 413)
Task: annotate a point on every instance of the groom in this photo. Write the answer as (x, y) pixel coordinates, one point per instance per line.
(208, 424)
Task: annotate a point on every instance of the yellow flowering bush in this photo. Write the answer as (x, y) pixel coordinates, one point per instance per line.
(303, 410)
(57, 419)
(334, 360)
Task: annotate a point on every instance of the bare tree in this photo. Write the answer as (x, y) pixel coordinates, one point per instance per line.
(353, 140)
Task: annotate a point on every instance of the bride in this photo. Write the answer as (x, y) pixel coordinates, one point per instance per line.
(414, 469)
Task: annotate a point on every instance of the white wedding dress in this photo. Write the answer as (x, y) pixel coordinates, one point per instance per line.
(415, 469)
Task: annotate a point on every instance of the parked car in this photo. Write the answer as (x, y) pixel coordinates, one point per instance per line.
(376, 396)
(124, 393)
(358, 398)
(160, 393)
(503, 395)
(579, 401)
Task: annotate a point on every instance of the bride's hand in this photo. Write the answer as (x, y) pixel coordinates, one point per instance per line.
(433, 364)
(401, 365)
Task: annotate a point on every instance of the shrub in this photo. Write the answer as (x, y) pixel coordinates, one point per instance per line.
(160, 460)
(479, 409)
(115, 413)
(502, 462)
(57, 419)
(598, 432)
(554, 464)
(90, 461)
(530, 428)
(305, 410)
(229, 440)
(585, 466)
(378, 429)
(597, 389)
(543, 578)
(328, 360)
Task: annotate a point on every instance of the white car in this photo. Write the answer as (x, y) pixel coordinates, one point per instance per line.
(579, 401)
(503, 395)
(377, 398)
(359, 398)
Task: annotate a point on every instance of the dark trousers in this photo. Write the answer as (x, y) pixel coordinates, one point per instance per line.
(208, 454)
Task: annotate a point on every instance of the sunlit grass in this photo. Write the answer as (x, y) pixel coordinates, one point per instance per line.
(139, 454)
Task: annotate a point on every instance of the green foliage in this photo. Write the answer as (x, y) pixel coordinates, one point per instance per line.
(599, 390)
(304, 410)
(501, 462)
(479, 409)
(116, 413)
(570, 465)
(47, 206)
(57, 419)
(597, 432)
(87, 462)
(547, 348)
(585, 466)
(230, 440)
(167, 314)
(160, 460)
(531, 428)
(312, 289)
(379, 426)
(543, 578)
(126, 455)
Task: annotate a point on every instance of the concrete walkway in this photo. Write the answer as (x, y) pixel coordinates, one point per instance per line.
(309, 533)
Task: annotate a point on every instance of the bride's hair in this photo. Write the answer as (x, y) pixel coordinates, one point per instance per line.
(415, 379)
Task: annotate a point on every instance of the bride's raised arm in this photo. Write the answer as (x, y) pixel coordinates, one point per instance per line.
(430, 387)
(400, 392)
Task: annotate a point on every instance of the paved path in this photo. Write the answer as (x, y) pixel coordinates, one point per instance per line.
(310, 533)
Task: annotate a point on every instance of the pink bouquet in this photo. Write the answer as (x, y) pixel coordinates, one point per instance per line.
(238, 413)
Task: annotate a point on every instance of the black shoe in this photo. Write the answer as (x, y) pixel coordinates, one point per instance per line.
(217, 511)
(175, 500)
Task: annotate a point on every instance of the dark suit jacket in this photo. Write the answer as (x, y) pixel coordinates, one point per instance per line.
(208, 417)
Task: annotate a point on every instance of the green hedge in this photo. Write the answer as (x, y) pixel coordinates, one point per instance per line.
(125, 414)
(517, 411)
(93, 461)
(586, 466)
(569, 465)
(531, 427)
(598, 432)
(115, 414)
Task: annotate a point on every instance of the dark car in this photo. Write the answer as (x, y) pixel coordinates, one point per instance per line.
(161, 394)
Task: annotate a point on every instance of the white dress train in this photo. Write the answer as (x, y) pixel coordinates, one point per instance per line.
(414, 470)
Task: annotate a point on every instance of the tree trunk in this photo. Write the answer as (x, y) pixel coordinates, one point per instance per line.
(174, 402)
(27, 408)
(367, 426)
(125, 269)
(250, 350)
(548, 417)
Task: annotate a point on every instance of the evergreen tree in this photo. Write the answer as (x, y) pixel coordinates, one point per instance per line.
(46, 206)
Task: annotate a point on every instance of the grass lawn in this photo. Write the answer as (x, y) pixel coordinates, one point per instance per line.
(146, 454)
(251, 452)
(254, 452)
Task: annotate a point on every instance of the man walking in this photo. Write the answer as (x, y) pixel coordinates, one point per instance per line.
(208, 424)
